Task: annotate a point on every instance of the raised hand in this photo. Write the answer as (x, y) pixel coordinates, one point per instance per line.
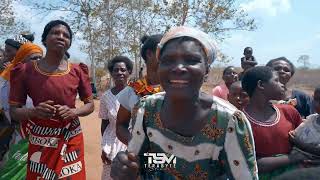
(125, 166)
(105, 159)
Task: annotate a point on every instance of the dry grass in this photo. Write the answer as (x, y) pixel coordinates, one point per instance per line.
(305, 80)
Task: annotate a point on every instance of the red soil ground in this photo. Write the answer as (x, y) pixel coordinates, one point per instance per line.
(92, 138)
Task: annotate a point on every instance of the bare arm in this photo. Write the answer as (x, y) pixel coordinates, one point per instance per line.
(123, 120)
(65, 112)
(42, 110)
(47, 110)
(86, 109)
(104, 125)
(18, 113)
(268, 164)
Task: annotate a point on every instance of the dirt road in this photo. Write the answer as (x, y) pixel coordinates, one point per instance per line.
(92, 138)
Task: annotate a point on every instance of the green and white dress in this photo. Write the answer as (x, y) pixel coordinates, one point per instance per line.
(223, 147)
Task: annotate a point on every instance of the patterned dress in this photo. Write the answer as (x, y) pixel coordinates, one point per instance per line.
(110, 144)
(56, 148)
(224, 145)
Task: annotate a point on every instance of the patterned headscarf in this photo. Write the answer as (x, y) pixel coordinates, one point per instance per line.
(205, 40)
(24, 51)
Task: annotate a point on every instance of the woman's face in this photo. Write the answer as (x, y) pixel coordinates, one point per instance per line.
(182, 67)
(284, 70)
(238, 97)
(9, 53)
(34, 56)
(120, 73)
(58, 38)
(274, 89)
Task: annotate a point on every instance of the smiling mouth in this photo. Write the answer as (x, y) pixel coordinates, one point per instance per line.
(179, 83)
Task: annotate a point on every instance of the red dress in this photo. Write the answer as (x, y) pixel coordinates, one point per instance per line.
(273, 139)
(56, 148)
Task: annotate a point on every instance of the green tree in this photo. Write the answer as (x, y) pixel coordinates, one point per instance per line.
(217, 17)
(304, 60)
(9, 25)
(115, 27)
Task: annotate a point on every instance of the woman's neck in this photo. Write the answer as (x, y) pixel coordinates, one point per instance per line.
(152, 77)
(117, 88)
(53, 58)
(186, 116)
(179, 105)
(260, 108)
(258, 103)
(187, 107)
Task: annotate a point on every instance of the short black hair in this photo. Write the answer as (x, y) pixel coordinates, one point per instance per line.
(226, 69)
(149, 43)
(247, 48)
(52, 24)
(253, 75)
(292, 67)
(118, 59)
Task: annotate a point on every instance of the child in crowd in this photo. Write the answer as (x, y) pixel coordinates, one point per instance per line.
(270, 123)
(306, 137)
(248, 61)
(229, 76)
(201, 137)
(237, 96)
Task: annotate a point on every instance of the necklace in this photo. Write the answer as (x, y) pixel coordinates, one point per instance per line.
(264, 124)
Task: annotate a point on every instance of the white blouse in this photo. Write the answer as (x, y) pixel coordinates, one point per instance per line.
(109, 106)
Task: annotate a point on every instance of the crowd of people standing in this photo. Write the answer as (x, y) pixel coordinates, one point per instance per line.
(251, 126)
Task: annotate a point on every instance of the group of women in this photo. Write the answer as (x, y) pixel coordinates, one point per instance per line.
(164, 112)
(276, 113)
(252, 136)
